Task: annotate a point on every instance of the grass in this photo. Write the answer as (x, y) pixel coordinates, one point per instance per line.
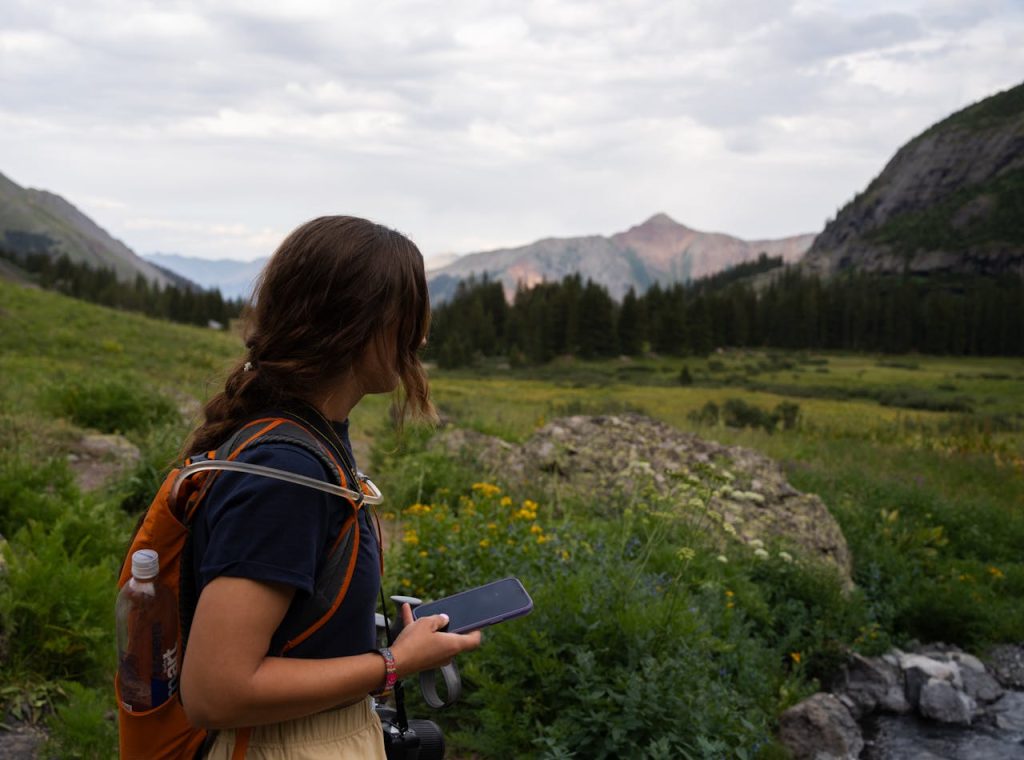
(931, 503)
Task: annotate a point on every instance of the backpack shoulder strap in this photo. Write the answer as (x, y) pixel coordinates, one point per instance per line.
(335, 575)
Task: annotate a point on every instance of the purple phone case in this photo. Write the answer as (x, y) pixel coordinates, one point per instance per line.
(438, 606)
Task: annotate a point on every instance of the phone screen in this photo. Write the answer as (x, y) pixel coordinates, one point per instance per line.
(480, 606)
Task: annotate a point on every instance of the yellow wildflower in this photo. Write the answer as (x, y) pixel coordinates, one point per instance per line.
(423, 552)
(406, 582)
(542, 539)
(729, 593)
(535, 528)
(484, 543)
(795, 657)
(492, 526)
(506, 501)
(410, 537)
(487, 489)
(996, 573)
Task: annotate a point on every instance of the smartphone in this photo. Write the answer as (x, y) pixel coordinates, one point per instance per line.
(481, 606)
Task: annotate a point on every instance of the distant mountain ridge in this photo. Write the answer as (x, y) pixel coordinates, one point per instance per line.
(38, 221)
(660, 250)
(950, 201)
(234, 279)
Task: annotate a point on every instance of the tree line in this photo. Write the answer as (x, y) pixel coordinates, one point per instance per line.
(100, 285)
(978, 315)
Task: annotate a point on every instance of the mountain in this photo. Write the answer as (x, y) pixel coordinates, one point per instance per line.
(235, 279)
(37, 221)
(658, 251)
(950, 201)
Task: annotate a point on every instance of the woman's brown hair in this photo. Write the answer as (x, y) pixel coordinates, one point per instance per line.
(335, 284)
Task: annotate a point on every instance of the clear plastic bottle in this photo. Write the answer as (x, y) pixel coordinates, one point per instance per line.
(147, 636)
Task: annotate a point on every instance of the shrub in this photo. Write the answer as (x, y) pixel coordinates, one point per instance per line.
(82, 726)
(56, 603)
(110, 406)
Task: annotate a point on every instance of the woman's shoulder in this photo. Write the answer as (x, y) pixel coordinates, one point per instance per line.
(282, 455)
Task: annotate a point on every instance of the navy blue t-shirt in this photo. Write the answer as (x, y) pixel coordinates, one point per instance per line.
(270, 530)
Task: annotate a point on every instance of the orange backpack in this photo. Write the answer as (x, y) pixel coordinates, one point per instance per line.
(164, 731)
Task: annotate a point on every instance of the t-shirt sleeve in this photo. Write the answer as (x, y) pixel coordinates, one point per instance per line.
(267, 529)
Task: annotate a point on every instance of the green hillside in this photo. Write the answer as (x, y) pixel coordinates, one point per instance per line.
(48, 341)
(37, 221)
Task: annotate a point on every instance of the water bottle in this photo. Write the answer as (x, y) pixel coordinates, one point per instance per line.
(147, 636)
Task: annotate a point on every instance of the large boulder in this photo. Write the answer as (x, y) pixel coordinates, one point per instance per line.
(820, 728)
(602, 458)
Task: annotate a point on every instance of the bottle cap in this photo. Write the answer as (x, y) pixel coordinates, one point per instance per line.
(145, 564)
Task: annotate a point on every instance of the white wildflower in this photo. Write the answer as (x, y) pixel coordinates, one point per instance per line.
(760, 554)
(757, 543)
(722, 558)
(785, 556)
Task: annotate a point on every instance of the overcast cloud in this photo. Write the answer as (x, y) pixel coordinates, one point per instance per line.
(213, 128)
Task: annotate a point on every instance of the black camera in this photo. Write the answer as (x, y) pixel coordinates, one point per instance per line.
(420, 740)
(413, 739)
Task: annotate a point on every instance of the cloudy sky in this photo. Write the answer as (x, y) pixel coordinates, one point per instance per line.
(213, 128)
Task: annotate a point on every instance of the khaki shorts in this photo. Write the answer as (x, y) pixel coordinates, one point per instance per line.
(352, 732)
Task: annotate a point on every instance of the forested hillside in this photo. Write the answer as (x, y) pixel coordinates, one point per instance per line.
(860, 312)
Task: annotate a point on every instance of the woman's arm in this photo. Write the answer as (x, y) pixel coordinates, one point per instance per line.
(227, 680)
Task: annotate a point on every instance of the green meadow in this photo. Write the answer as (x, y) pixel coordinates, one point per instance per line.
(641, 614)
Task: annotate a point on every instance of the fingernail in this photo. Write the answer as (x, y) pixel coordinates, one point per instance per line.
(443, 615)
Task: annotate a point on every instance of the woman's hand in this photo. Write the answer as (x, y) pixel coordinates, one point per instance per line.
(423, 646)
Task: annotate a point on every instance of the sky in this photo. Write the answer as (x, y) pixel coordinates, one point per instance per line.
(213, 128)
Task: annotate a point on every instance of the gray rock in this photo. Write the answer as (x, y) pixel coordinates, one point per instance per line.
(919, 669)
(873, 684)
(980, 686)
(98, 457)
(1008, 712)
(967, 662)
(820, 728)
(941, 701)
(21, 742)
(596, 457)
(1006, 662)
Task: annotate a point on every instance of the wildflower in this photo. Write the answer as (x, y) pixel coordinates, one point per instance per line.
(542, 539)
(729, 528)
(423, 552)
(410, 537)
(565, 555)
(487, 489)
(530, 504)
(456, 527)
(729, 593)
(484, 543)
(686, 554)
(442, 549)
(506, 501)
(996, 573)
(722, 558)
(535, 528)
(730, 605)
(492, 526)
(406, 582)
(786, 557)
(418, 509)
(795, 657)
(760, 554)
(756, 543)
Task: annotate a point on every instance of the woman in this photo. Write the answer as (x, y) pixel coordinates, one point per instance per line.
(339, 312)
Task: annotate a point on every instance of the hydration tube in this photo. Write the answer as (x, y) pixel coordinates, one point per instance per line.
(374, 497)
